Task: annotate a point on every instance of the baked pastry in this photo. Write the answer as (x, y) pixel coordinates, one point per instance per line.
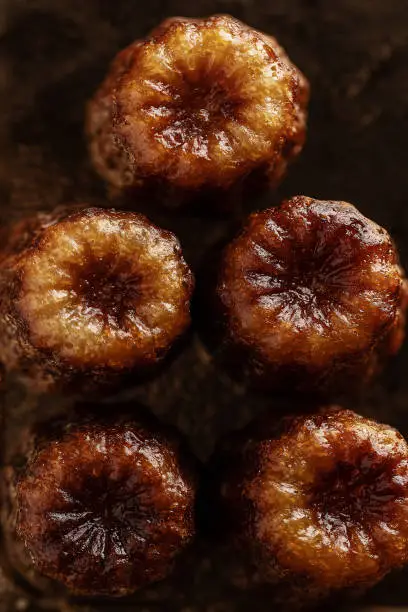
(310, 295)
(201, 104)
(318, 502)
(90, 295)
(105, 508)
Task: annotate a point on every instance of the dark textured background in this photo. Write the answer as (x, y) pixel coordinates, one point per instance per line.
(53, 54)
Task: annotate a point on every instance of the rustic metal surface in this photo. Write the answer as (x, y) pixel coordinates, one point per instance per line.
(52, 56)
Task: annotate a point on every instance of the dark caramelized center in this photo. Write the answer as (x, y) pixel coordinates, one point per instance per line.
(355, 492)
(104, 518)
(206, 101)
(309, 277)
(323, 272)
(109, 287)
(111, 503)
(209, 102)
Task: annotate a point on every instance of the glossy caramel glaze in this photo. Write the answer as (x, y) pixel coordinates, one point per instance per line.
(312, 291)
(321, 499)
(200, 104)
(92, 292)
(106, 508)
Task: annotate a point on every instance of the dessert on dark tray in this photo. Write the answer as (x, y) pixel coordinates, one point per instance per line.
(318, 501)
(199, 104)
(89, 295)
(205, 114)
(310, 294)
(104, 508)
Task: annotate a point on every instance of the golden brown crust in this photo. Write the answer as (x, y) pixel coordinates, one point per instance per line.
(201, 104)
(321, 499)
(311, 290)
(92, 293)
(108, 156)
(106, 508)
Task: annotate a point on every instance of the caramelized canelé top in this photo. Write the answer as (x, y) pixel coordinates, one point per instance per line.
(92, 290)
(326, 498)
(199, 103)
(311, 284)
(105, 508)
